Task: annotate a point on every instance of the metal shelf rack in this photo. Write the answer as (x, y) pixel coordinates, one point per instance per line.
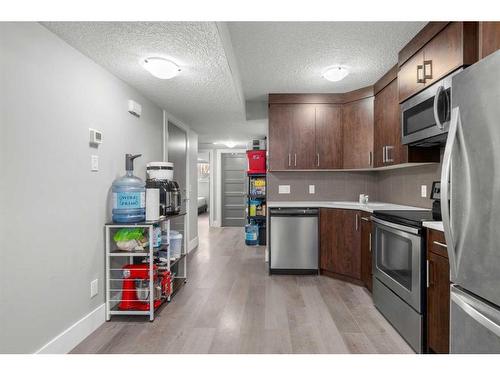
(115, 262)
(259, 219)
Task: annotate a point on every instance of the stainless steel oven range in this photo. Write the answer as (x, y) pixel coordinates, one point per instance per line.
(399, 272)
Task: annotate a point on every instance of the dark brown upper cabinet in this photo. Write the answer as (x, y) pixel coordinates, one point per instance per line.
(387, 147)
(328, 136)
(306, 130)
(489, 38)
(357, 125)
(291, 136)
(280, 118)
(437, 50)
(302, 137)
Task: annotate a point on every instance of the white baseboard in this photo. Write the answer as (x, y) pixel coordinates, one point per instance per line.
(71, 337)
(216, 223)
(193, 244)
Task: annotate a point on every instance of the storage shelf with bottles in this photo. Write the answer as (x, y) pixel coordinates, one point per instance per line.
(138, 282)
(256, 203)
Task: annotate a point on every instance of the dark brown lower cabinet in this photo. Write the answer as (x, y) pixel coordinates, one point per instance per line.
(340, 243)
(366, 251)
(438, 294)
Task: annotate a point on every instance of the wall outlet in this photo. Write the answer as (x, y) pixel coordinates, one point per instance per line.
(312, 189)
(283, 189)
(94, 163)
(94, 288)
(423, 191)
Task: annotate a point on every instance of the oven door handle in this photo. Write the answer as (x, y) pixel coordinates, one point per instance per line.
(396, 226)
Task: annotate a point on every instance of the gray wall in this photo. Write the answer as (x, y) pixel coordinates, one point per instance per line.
(193, 184)
(53, 206)
(400, 186)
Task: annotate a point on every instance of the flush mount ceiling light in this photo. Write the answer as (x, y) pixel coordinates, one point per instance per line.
(160, 68)
(229, 144)
(335, 73)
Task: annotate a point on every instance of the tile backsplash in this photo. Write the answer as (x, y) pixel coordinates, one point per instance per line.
(402, 186)
(399, 186)
(339, 186)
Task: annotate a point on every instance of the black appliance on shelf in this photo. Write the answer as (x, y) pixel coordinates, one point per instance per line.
(176, 199)
(170, 195)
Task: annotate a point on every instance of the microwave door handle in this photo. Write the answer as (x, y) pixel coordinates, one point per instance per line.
(439, 92)
(445, 178)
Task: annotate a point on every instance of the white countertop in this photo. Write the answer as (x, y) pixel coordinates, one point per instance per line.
(370, 207)
(437, 225)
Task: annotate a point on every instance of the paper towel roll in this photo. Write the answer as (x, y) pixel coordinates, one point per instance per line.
(152, 204)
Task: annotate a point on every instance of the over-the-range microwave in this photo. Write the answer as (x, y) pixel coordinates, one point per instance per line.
(425, 117)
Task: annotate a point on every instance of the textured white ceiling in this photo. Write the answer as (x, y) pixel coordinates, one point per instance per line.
(269, 57)
(280, 57)
(203, 95)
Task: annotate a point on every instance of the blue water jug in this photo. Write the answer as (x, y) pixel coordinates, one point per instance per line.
(251, 234)
(129, 195)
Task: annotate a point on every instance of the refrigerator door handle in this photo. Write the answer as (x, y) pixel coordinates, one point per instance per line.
(445, 178)
(468, 305)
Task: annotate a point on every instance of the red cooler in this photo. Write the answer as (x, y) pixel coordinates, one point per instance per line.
(256, 161)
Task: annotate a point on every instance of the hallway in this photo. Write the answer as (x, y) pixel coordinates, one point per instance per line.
(231, 305)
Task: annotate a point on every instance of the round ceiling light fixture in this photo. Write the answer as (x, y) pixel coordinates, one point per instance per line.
(335, 73)
(160, 68)
(229, 144)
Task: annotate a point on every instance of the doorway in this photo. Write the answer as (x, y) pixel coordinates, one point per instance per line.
(177, 146)
(233, 189)
(204, 197)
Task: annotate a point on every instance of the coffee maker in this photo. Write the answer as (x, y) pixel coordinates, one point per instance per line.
(176, 197)
(160, 176)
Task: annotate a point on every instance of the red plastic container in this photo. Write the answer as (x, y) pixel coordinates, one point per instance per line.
(256, 161)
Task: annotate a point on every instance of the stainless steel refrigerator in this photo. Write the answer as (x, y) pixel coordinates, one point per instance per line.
(471, 167)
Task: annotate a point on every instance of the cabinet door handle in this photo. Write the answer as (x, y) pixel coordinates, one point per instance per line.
(370, 243)
(294, 160)
(365, 218)
(420, 74)
(289, 160)
(383, 155)
(387, 158)
(439, 244)
(428, 274)
(370, 158)
(357, 222)
(317, 155)
(427, 69)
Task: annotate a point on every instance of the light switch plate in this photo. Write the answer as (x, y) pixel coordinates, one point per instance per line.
(94, 288)
(423, 191)
(283, 189)
(94, 163)
(312, 189)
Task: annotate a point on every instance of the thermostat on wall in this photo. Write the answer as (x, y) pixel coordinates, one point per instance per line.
(134, 108)
(95, 137)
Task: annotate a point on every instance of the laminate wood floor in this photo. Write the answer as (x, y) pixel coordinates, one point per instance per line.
(231, 305)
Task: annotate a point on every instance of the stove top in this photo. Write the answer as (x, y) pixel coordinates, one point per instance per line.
(412, 218)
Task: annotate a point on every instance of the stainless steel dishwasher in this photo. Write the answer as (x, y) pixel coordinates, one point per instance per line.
(293, 238)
